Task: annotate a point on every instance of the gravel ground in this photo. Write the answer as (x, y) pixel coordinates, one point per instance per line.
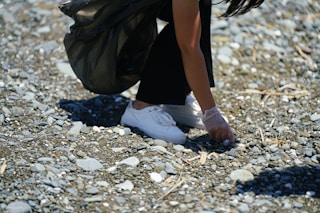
(63, 150)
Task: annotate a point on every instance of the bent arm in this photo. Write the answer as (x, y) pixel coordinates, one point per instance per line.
(186, 16)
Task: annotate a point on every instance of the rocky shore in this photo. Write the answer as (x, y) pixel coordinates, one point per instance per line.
(62, 148)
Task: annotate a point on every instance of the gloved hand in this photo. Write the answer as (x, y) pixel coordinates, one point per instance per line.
(217, 127)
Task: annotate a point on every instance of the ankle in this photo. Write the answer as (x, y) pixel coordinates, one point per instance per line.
(140, 104)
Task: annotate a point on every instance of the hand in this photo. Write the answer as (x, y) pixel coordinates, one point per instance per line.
(217, 127)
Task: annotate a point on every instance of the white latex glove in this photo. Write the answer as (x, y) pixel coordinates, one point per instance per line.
(217, 127)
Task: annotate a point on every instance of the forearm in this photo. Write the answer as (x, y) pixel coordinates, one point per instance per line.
(188, 32)
(196, 74)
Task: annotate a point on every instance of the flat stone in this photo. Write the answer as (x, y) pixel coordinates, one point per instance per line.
(18, 207)
(241, 175)
(243, 208)
(92, 199)
(75, 129)
(224, 59)
(65, 68)
(89, 164)
(315, 117)
(92, 190)
(125, 186)
(178, 148)
(156, 177)
(131, 161)
(159, 142)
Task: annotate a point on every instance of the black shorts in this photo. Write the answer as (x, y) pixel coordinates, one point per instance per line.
(163, 79)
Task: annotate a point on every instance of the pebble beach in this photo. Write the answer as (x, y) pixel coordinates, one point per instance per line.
(62, 148)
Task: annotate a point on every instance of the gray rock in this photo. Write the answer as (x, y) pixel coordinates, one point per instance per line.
(120, 200)
(225, 50)
(125, 186)
(6, 111)
(18, 207)
(65, 68)
(178, 148)
(159, 142)
(170, 169)
(96, 198)
(73, 191)
(131, 161)
(48, 112)
(315, 117)
(44, 30)
(161, 149)
(40, 98)
(243, 208)
(272, 47)
(89, 164)
(316, 158)
(38, 168)
(224, 59)
(92, 190)
(219, 24)
(49, 46)
(45, 160)
(29, 96)
(75, 129)
(241, 175)
(297, 204)
(307, 152)
(261, 202)
(17, 111)
(102, 183)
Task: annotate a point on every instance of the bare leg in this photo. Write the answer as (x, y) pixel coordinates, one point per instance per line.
(186, 17)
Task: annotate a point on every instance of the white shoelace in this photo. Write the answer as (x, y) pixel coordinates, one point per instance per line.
(163, 118)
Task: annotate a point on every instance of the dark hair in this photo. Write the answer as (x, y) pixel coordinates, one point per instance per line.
(238, 7)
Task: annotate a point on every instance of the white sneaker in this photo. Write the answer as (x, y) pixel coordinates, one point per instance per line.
(189, 114)
(154, 122)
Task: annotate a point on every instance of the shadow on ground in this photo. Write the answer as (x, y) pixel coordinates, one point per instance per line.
(106, 111)
(295, 180)
(102, 110)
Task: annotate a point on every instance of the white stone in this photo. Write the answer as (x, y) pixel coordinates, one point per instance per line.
(241, 175)
(131, 161)
(126, 186)
(118, 149)
(124, 131)
(156, 177)
(66, 69)
(96, 198)
(112, 169)
(102, 183)
(75, 129)
(178, 148)
(159, 142)
(224, 59)
(315, 117)
(96, 129)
